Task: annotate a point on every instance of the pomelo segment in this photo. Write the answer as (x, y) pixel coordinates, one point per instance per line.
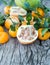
(29, 34)
(15, 11)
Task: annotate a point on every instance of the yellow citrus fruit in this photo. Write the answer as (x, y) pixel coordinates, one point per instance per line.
(12, 33)
(1, 29)
(3, 37)
(40, 11)
(8, 23)
(34, 14)
(7, 10)
(46, 35)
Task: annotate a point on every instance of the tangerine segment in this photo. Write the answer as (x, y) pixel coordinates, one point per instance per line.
(3, 37)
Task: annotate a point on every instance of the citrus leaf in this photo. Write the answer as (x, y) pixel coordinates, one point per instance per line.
(21, 18)
(49, 20)
(28, 17)
(44, 31)
(4, 2)
(28, 7)
(46, 24)
(37, 25)
(37, 19)
(2, 19)
(12, 27)
(11, 3)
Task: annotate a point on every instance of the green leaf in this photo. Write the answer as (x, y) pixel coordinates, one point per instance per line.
(49, 20)
(28, 7)
(11, 3)
(28, 23)
(37, 19)
(46, 24)
(21, 18)
(2, 19)
(4, 2)
(44, 31)
(12, 27)
(28, 18)
(38, 14)
(37, 25)
(49, 29)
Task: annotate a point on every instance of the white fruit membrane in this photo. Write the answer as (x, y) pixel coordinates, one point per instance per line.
(15, 10)
(34, 37)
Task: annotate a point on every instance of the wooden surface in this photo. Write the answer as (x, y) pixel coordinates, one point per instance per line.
(13, 53)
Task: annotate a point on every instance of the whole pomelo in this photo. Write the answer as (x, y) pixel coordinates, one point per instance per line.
(27, 3)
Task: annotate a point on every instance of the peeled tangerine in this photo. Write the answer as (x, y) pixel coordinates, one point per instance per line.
(27, 34)
(3, 37)
(9, 21)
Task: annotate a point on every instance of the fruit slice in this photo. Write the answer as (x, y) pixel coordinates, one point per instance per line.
(9, 21)
(27, 34)
(17, 11)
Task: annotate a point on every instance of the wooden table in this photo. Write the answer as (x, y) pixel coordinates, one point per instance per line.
(14, 53)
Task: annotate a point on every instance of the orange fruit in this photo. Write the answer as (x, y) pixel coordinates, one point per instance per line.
(8, 23)
(46, 35)
(34, 14)
(3, 37)
(40, 11)
(12, 33)
(1, 29)
(7, 10)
